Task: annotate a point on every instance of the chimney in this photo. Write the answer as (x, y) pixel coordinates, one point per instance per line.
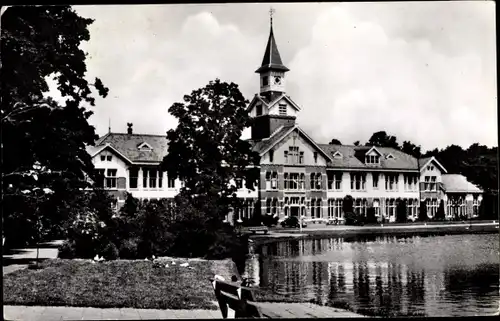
(129, 129)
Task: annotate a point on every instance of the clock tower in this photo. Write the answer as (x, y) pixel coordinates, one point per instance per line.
(271, 109)
(272, 71)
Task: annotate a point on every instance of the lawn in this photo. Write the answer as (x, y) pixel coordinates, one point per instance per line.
(121, 283)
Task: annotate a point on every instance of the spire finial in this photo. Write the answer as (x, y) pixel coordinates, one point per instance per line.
(271, 12)
(109, 125)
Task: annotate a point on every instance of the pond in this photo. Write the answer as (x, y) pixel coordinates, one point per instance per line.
(433, 275)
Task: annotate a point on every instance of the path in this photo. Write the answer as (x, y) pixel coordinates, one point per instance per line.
(41, 313)
(273, 310)
(16, 259)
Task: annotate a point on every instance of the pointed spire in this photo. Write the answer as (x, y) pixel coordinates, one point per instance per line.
(272, 58)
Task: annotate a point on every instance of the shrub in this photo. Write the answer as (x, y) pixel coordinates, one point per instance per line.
(370, 215)
(269, 220)
(67, 250)
(440, 212)
(110, 251)
(352, 218)
(422, 214)
(347, 204)
(401, 211)
(128, 249)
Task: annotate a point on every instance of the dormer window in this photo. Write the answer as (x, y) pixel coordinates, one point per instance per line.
(259, 110)
(389, 156)
(282, 109)
(145, 146)
(372, 159)
(337, 154)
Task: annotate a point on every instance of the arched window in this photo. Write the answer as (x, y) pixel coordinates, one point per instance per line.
(268, 206)
(302, 181)
(274, 180)
(318, 208)
(312, 180)
(268, 180)
(275, 206)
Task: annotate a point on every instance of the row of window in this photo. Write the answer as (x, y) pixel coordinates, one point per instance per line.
(151, 178)
(335, 210)
(293, 156)
(296, 181)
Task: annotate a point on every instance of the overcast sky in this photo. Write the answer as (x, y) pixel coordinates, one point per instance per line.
(423, 71)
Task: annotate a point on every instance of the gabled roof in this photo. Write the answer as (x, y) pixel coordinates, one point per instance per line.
(263, 146)
(127, 145)
(353, 157)
(457, 183)
(270, 104)
(375, 149)
(272, 58)
(423, 162)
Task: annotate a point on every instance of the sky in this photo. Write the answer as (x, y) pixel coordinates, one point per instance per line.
(422, 71)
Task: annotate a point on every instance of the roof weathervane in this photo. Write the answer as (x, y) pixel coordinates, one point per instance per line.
(271, 12)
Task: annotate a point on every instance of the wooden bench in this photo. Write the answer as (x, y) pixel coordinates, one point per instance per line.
(255, 229)
(235, 301)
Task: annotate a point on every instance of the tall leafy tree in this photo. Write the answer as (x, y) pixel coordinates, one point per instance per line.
(206, 150)
(381, 139)
(39, 43)
(411, 149)
(335, 141)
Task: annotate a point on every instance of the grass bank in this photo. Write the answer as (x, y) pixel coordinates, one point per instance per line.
(117, 284)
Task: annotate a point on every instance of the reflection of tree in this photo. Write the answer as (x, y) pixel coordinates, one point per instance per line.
(415, 291)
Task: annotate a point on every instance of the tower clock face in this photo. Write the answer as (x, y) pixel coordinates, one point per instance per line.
(277, 80)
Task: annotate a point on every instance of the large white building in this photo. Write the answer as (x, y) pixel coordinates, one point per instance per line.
(298, 175)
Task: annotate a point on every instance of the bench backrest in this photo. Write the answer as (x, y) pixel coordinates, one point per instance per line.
(233, 297)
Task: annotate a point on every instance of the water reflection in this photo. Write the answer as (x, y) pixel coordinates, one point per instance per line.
(436, 276)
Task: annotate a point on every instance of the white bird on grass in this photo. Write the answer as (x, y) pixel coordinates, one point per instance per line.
(173, 263)
(184, 264)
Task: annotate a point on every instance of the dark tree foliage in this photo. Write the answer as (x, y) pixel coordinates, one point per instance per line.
(422, 213)
(335, 141)
(37, 43)
(381, 139)
(370, 215)
(411, 149)
(208, 140)
(401, 211)
(440, 212)
(347, 204)
(356, 143)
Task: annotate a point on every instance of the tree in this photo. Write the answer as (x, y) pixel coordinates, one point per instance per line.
(370, 215)
(39, 43)
(422, 213)
(356, 143)
(347, 204)
(401, 211)
(411, 149)
(335, 141)
(440, 212)
(381, 139)
(208, 138)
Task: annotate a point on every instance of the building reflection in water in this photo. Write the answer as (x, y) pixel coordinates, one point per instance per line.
(363, 281)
